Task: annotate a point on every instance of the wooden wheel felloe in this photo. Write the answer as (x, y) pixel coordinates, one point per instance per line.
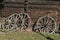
(45, 24)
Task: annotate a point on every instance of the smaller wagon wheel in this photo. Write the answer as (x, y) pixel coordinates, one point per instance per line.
(46, 24)
(25, 21)
(9, 23)
(6, 26)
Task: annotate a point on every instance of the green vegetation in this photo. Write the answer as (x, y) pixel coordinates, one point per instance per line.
(26, 36)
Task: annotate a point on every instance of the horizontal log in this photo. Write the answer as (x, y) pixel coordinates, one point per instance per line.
(55, 6)
(44, 2)
(37, 2)
(48, 5)
(14, 0)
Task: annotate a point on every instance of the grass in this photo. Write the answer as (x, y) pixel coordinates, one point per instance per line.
(26, 36)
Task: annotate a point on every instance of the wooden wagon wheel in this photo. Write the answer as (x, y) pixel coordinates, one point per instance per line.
(46, 24)
(15, 21)
(10, 23)
(25, 21)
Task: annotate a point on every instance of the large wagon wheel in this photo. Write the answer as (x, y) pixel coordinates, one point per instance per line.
(25, 21)
(9, 23)
(46, 24)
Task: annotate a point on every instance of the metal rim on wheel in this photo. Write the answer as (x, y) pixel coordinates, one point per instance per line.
(46, 24)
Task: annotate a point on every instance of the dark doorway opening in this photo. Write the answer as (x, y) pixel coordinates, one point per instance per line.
(59, 29)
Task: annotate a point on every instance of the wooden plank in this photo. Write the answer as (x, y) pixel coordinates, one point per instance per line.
(43, 4)
(14, 0)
